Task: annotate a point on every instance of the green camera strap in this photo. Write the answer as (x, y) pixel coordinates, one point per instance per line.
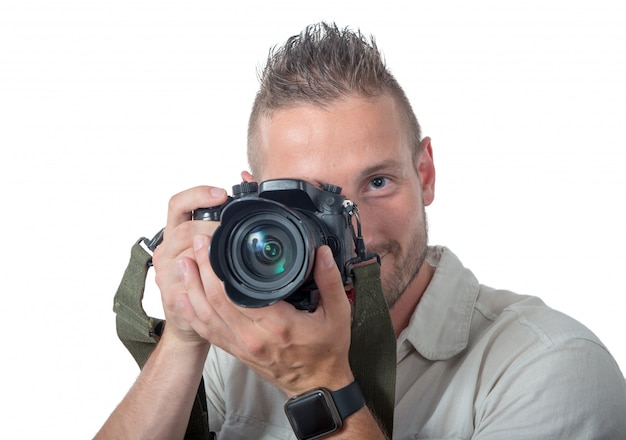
(373, 345)
(372, 350)
(140, 333)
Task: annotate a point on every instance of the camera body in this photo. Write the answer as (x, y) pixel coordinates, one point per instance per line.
(264, 248)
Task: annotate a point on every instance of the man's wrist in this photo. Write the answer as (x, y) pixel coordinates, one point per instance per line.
(321, 412)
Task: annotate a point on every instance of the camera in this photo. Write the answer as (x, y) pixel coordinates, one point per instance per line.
(264, 248)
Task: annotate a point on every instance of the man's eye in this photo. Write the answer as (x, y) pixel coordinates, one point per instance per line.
(378, 182)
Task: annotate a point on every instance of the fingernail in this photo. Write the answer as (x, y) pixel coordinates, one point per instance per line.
(327, 258)
(198, 242)
(217, 192)
(181, 266)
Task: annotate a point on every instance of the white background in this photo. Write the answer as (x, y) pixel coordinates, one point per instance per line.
(107, 108)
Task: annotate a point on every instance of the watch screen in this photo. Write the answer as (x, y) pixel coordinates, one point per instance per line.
(311, 416)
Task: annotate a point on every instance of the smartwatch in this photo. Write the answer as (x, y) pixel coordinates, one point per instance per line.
(320, 412)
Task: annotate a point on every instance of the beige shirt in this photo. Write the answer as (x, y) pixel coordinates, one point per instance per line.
(474, 363)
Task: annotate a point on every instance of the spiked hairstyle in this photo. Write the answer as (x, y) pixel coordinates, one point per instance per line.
(319, 66)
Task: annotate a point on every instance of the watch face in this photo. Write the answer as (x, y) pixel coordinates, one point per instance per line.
(313, 415)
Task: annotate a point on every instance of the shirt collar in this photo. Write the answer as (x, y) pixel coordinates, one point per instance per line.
(440, 325)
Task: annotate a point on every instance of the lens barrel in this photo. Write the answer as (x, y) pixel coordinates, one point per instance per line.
(264, 250)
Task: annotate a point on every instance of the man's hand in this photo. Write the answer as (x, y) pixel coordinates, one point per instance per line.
(293, 349)
(176, 255)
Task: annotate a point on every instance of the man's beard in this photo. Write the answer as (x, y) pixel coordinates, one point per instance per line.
(406, 266)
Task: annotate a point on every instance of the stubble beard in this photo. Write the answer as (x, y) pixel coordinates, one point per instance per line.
(406, 266)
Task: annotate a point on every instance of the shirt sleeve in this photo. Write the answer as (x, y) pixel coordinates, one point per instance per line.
(572, 389)
(214, 386)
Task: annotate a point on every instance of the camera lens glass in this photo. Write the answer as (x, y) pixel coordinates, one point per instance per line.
(264, 251)
(267, 251)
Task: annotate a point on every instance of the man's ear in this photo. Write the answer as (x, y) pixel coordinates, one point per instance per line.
(426, 171)
(246, 176)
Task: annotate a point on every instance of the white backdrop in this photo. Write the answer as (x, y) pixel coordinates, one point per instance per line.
(107, 108)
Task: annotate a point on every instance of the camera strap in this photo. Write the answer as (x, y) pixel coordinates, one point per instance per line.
(140, 333)
(373, 345)
(372, 349)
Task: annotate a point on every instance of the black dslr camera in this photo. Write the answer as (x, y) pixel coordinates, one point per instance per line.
(264, 248)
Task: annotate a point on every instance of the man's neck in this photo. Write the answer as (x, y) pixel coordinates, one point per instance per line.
(403, 309)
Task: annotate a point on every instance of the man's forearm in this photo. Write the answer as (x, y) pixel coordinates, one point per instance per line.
(159, 403)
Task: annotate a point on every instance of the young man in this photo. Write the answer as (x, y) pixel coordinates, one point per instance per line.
(472, 362)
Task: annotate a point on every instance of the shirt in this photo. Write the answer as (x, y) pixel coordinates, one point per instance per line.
(473, 363)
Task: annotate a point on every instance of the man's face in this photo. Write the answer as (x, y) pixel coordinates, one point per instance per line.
(360, 145)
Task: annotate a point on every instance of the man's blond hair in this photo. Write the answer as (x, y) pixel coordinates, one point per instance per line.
(319, 66)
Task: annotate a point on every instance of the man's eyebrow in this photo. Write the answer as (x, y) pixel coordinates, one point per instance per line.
(387, 165)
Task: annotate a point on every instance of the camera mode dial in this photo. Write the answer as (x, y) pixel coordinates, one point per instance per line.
(244, 189)
(331, 188)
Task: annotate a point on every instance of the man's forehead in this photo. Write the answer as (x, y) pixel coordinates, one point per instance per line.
(316, 143)
(342, 119)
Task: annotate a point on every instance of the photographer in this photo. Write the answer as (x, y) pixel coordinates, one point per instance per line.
(472, 362)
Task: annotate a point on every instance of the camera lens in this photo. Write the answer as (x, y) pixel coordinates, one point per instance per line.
(263, 251)
(267, 251)
(270, 251)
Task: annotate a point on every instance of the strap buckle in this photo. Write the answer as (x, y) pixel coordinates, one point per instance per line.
(149, 245)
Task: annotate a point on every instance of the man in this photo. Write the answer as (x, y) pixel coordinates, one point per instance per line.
(472, 362)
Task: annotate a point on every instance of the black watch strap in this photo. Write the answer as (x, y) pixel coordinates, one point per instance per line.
(320, 412)
(348, 399)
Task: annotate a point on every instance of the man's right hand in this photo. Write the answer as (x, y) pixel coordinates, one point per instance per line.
(170, 378)
(175, 255)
